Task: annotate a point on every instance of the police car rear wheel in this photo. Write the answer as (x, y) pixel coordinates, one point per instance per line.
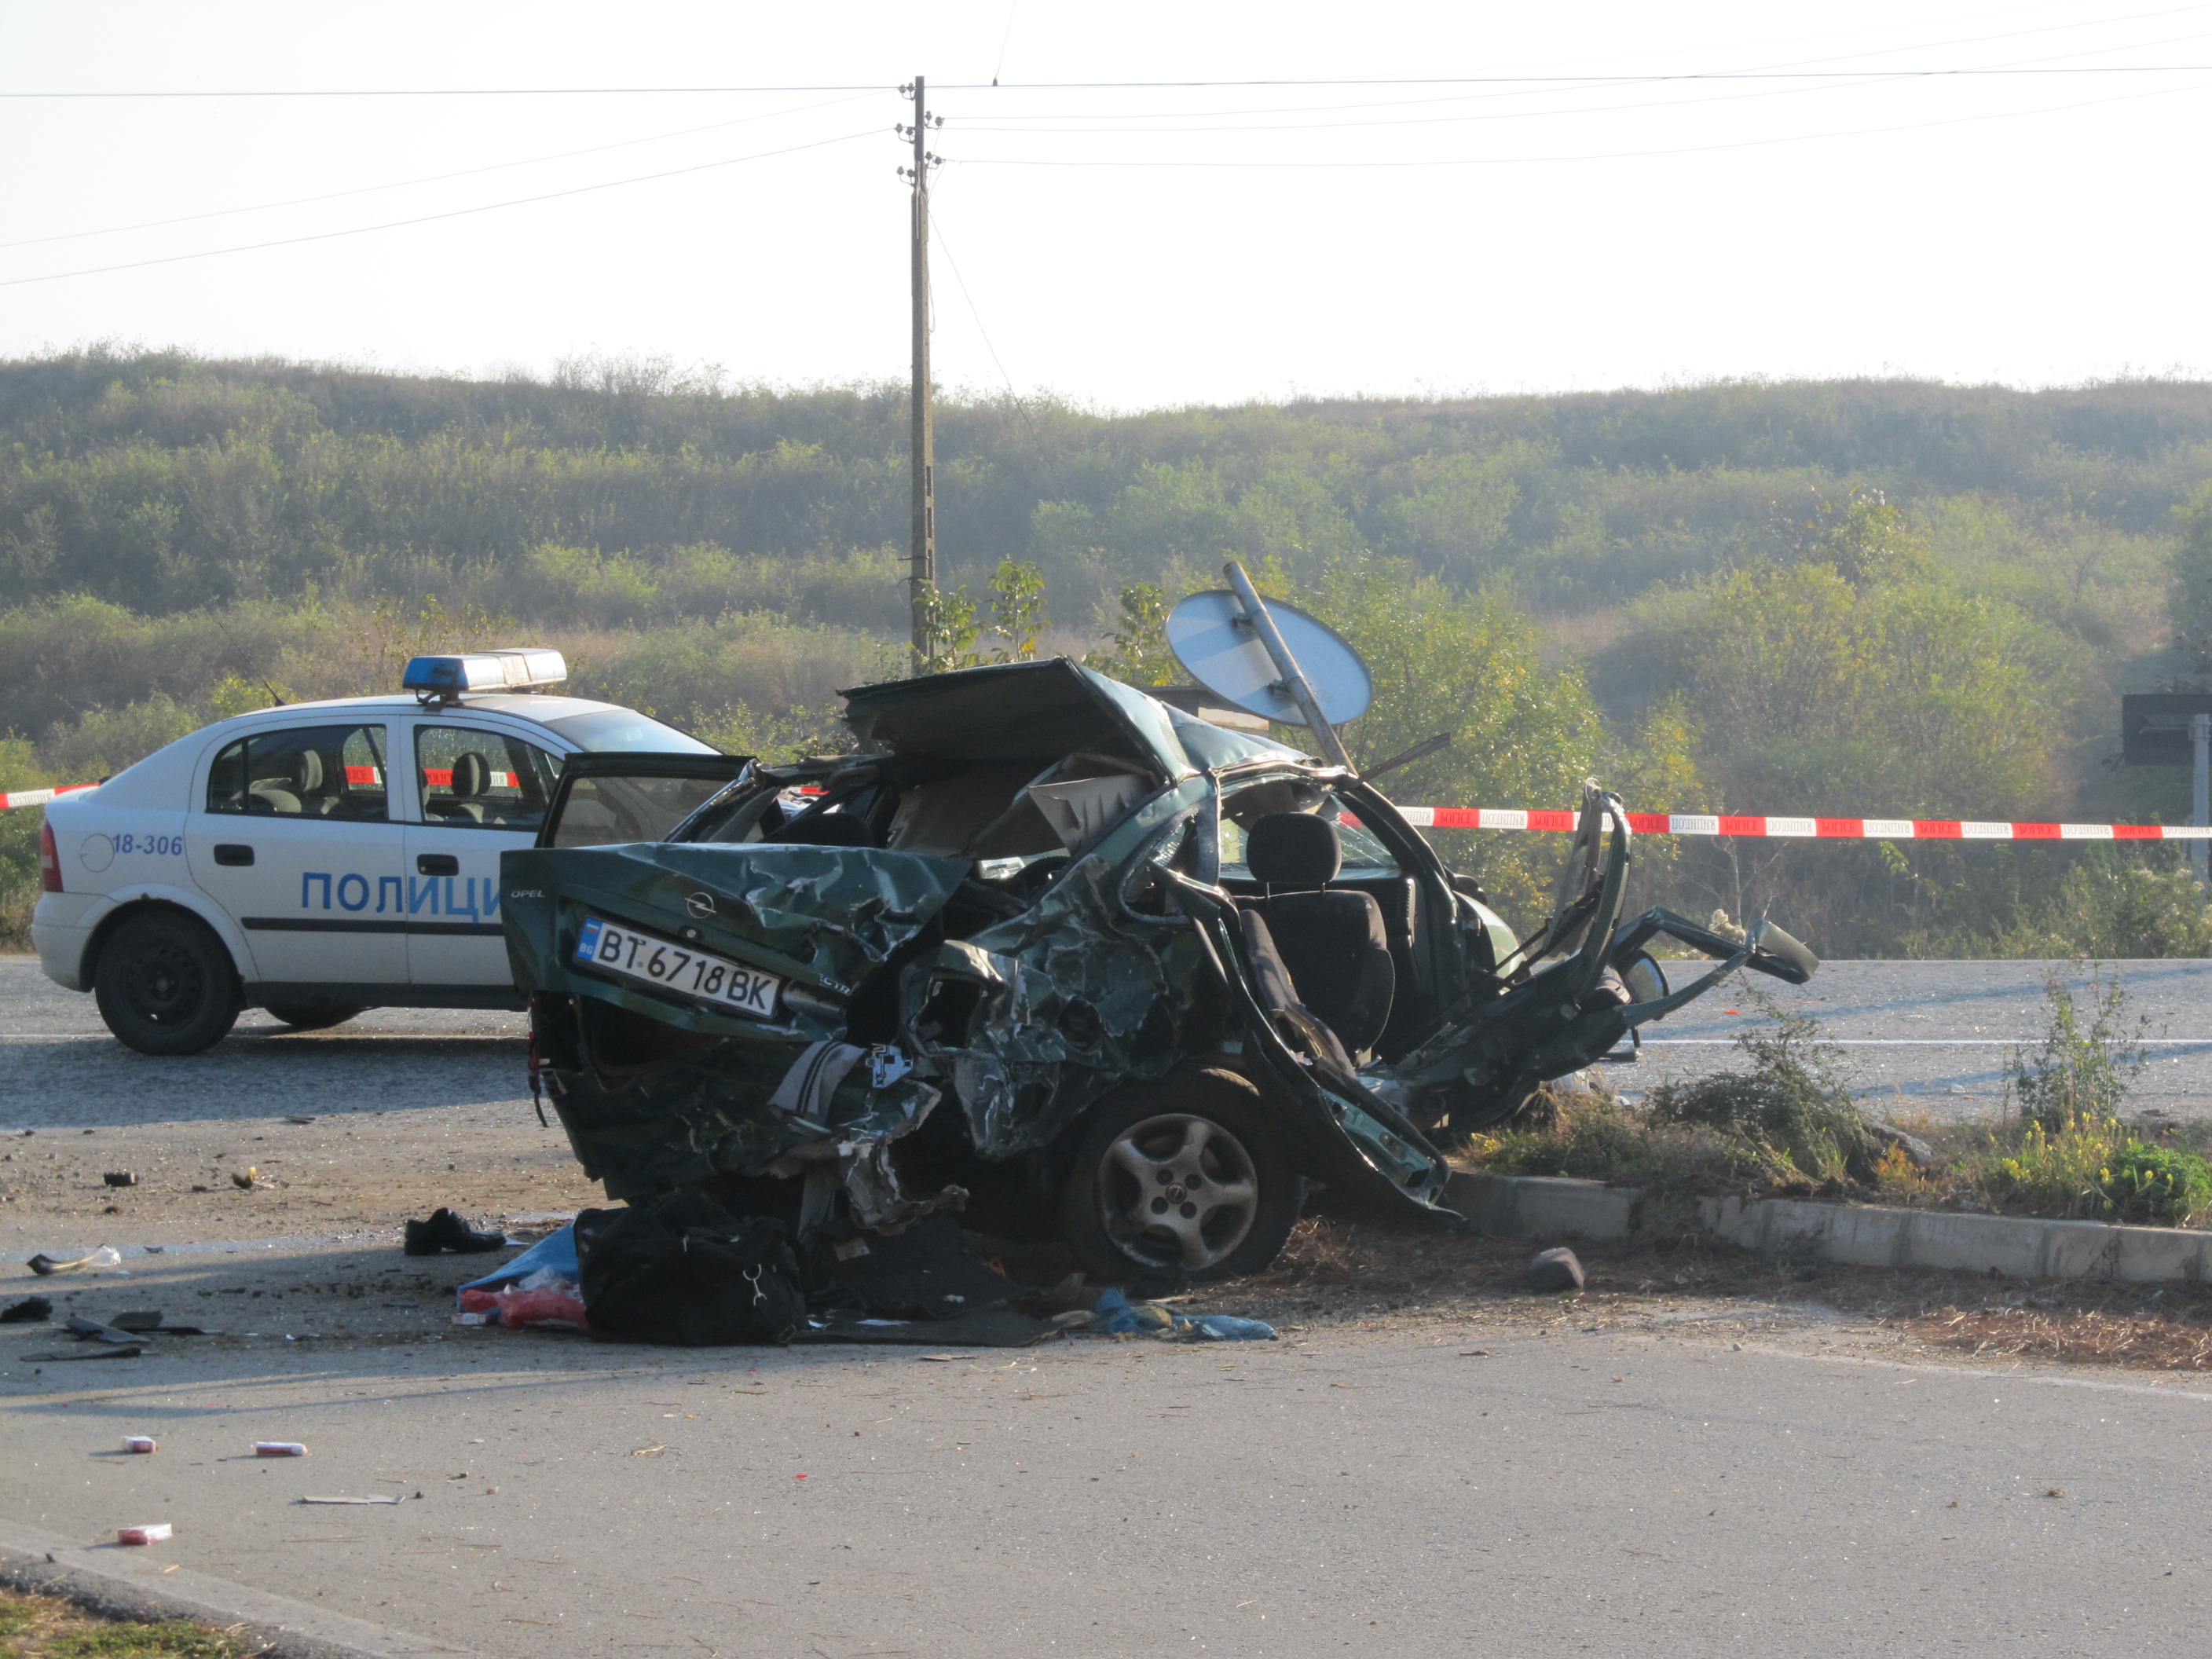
(311, 1016)
(165, 986)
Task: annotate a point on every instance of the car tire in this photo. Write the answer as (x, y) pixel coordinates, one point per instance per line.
(165, 986)
(1130, 1209)
(308, 1015)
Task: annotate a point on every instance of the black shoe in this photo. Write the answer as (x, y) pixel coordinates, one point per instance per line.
(446, 1232)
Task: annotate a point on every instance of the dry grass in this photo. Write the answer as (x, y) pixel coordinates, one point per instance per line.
(45, 1627)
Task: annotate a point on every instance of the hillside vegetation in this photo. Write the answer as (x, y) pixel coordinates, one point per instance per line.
(1880, 598)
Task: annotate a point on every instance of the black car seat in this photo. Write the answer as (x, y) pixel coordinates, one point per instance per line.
(824, 829)
(1332, 942)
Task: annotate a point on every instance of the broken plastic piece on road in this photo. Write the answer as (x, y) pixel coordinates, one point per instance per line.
(446, 1233)
(154, 1534)
(1556, 1270)
(90, 1351)
(120, 1178)
(31, 1311)
(279, 1448)
(393, 1498)
(93, 1331)
(141, 1443)
(105, 1256)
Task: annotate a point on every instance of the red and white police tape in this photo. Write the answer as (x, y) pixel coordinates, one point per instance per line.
(1700, 823)
(1645, 824)
(40, 797)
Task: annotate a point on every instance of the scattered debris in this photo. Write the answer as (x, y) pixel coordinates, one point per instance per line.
(105, 1256)
(1557, 1270)
(140, 1443)
(304, 1120)
(248, 1179)
(279, 1448)
(31, 1311)
(540, 1288)
(93, 1330)
(446, 1233)
(1116, 1315)
(529, 1229)
(154, 1534)
(393, 1498)
(120, 1178)
(88, 1351)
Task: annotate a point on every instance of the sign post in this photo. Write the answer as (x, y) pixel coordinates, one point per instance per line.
(2174, 728)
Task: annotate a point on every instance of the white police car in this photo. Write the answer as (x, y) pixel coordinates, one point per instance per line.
(323, 858)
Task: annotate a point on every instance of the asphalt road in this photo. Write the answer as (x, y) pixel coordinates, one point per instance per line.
(1933, 1036)
(1656, 1488)
(1679, 1477)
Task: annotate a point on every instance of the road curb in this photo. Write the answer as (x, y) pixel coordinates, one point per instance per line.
(1546, 1206)
(115, 1582)
(1869, 1235)
(1849, 1235)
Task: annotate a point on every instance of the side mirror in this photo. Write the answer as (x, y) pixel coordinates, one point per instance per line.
(1469, 887)
(1642, 977)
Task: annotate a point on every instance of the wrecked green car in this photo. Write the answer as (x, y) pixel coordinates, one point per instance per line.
(1055, 953)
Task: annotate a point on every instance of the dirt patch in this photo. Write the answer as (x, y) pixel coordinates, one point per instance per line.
(344, 1172)
(1346, 1275)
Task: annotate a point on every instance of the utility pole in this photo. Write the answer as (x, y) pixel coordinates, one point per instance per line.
(2200, 732)
(921, 576)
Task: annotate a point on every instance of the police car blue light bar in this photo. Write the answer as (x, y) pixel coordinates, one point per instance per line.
(526, 669)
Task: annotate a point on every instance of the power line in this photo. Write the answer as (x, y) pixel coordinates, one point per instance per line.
(1150, 86)
(431, 179)
(1605, 155)
(432, 218)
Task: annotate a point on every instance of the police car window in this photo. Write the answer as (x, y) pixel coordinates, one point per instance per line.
(604, 810)
(615, 730)
(334, 772)
(1366, 857)
(475, 779)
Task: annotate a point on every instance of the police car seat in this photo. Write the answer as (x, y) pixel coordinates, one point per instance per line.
(290, 792)
(1331, 941)
(471, 776)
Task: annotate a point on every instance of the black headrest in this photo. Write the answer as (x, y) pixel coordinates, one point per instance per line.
(826, 830)
(1293, 850)
(471, 776)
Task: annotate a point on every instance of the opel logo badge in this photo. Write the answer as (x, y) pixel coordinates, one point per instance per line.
(700, 904)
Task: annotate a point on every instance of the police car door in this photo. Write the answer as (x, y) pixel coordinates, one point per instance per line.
(293, 835)
(478, 790)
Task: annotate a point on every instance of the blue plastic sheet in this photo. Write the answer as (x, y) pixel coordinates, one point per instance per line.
(555, 1250)
(1117, 1315)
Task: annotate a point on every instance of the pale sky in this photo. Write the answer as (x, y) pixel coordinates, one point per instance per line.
(1535, 217)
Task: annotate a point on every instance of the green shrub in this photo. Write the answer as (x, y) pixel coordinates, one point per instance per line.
(1793, 1103)
(2075, 1073)
(2162, 1184)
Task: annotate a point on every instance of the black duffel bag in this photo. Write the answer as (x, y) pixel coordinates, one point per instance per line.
(651, 1278)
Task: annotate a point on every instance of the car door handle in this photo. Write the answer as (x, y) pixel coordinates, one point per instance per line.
(232, 853)
(436, 864)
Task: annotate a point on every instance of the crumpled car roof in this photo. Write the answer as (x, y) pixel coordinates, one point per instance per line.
(1027, 712)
